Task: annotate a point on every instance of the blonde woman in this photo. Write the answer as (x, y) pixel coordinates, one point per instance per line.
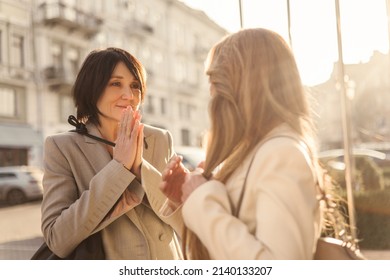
(258, 110)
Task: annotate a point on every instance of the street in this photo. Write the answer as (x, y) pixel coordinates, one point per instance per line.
(20, 233)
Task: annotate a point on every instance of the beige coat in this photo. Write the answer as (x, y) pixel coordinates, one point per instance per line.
(82, 184)
(279, 216)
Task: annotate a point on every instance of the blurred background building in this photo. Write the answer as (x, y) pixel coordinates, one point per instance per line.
(43, 43)
(368, 90)
(42, 46)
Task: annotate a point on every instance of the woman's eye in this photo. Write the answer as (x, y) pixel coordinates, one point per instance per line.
(135, 86)
(116, 84)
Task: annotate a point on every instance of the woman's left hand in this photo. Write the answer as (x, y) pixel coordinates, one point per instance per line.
(136, 167)
(173, 178)
(192, 182)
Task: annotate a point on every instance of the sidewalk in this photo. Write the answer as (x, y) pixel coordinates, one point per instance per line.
(376, 254)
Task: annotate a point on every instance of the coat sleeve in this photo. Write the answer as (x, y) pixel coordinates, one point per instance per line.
(69, 217)
(151, 180)
(276, 220)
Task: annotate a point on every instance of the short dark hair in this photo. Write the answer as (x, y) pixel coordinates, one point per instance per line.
(94, 75)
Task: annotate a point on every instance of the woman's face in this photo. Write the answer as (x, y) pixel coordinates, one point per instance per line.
(121, 91)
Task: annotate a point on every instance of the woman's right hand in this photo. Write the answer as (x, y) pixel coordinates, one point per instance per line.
(125, 149)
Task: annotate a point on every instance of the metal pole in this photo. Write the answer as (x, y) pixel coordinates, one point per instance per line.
(289, 22)
(346, 122)
(241, 18)
(388, 30)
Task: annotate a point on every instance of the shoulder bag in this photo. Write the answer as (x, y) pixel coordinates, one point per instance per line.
(89, 249)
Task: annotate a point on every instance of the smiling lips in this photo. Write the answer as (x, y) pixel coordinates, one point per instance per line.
(124, 106)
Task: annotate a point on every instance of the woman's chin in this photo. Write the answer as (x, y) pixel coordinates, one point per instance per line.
(113, 119)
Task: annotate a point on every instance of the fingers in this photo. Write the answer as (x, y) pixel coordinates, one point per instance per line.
(140, 138)
(201, 164)
(135, 116)
(136, 169)
(128, 120)
(131, 120)
(128, 142)
(173, 164)
(121, 124)
(123, 127)
(134, 133)
(166, 173)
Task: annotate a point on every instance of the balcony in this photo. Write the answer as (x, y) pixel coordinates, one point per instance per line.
(57, 78)
(138, 28)
(15, 73)
(59, 14)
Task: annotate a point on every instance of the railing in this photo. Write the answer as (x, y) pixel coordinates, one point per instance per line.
(58, 13)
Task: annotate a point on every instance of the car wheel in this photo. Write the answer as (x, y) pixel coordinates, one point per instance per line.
(15, 197)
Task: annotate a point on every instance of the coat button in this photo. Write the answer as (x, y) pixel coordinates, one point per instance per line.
(162, 236)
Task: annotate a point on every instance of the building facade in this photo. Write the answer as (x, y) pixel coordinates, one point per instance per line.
(43, 43)
(368, 95)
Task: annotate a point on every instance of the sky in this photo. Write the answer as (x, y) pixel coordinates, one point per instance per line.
(364, 28)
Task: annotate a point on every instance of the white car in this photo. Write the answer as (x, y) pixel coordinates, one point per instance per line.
(19, 184)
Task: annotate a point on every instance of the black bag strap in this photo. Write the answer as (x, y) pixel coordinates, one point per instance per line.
(237, 211)
(82, 129)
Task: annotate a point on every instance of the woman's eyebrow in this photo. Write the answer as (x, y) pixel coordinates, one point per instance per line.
(116, 77)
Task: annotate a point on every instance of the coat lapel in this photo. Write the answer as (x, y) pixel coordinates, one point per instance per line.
(148, 145)
(96, 151)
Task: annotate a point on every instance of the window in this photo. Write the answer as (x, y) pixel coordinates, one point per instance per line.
(149, 106)
(185, 137)
(180, 70)
(180, 35)
(73, 58)
(12, 102)
(69, 12)
(17, 50)
(8, 102)
(7, 175)
(184, 110)
(12, 157)
(145, 54)
(163, 106)
(66, 107)
(56, 54)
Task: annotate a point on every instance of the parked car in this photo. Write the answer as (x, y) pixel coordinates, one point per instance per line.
(369, 166)
(192, 156)
(19, 184)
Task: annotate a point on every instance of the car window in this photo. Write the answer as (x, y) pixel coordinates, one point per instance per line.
(7, 175)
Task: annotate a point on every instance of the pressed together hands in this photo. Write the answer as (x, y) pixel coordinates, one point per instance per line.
(130, 137)
(177, 181)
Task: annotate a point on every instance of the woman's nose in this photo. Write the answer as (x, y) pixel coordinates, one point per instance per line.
(127, 94)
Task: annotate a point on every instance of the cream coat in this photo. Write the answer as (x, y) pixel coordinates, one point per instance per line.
(82, 184)
(279, 217)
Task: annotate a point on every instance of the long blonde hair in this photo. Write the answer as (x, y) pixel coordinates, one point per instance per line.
(256, 86)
